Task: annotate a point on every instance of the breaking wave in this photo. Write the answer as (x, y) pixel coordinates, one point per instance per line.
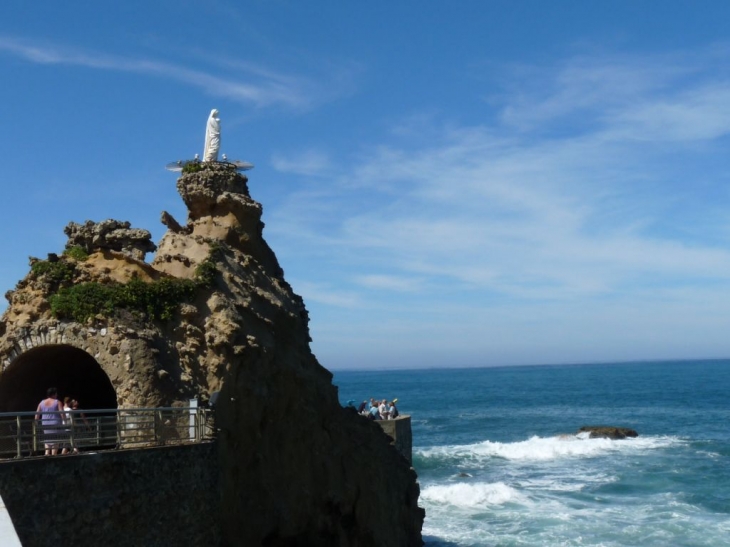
(544, 448)
(469, 496)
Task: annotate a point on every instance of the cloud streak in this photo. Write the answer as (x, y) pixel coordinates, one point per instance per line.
(308, 163)
(241, 82)
(557, 212)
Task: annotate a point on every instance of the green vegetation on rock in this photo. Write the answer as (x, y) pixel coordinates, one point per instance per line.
(57, 272)
(215, 166)
(206, 271)
(159, 300)
(193, 167)
(77, 253)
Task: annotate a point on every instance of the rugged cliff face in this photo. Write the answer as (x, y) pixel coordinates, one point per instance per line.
(297, 469)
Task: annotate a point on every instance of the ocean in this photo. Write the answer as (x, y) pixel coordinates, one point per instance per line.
(500, 464)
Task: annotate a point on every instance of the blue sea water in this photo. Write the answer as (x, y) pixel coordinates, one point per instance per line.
(496, 467)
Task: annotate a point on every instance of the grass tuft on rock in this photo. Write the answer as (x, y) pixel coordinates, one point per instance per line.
(192, 167)
(76, 252)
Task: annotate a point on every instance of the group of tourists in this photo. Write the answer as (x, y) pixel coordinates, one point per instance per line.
(379, 409)
(57, 419)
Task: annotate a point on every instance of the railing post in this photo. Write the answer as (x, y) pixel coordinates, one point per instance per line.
(159, 439)
(193, 431)
(18, 435)
(72, 430)
(34, 433)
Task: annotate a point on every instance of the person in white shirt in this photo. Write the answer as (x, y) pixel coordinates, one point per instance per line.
(383, 410)
(392, 411)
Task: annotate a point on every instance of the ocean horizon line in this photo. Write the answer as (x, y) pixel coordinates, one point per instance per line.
(529, 365)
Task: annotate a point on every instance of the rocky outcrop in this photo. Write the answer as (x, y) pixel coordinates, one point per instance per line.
(110, 235)
(296, 468)
(608, 432)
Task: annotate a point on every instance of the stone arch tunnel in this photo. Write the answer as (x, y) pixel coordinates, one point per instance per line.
(72, 371)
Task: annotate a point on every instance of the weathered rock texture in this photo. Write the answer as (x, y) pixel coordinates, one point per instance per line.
(608, 432)
(112, 235)
(296, 468)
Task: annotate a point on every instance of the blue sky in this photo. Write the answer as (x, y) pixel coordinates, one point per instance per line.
(445, 183)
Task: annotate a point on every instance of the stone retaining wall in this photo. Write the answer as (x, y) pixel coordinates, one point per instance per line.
(400, 431)
(155, 497)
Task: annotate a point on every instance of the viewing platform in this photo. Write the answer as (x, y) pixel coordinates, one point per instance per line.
(399, 429)
(22, 436)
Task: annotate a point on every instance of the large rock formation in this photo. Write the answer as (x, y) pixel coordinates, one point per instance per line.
(297, 469)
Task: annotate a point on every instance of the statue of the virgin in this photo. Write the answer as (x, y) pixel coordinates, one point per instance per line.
(212, 137)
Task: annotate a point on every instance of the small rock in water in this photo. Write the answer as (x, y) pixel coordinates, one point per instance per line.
(608, 432)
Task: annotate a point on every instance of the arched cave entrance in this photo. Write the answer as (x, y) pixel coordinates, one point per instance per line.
(72, 371)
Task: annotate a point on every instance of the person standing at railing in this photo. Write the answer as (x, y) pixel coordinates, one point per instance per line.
(383, 410)
(68, 422)
(77, 411)
(78, 417)
(50, 413)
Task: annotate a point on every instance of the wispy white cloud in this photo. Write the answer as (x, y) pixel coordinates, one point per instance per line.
(696, 114)
(583, 86)
(389, 282)
(658, 98)
(326, 294)
(562, 211)
(308, 163)
(244, 82)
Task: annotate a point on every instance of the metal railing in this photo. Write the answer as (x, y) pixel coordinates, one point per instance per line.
(21, 435)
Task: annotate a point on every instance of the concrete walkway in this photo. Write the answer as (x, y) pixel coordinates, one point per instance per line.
(8, 537)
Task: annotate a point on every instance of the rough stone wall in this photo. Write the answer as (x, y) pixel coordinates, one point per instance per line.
(156, 497)
(400, 431)
(296, 468)
(127, 355)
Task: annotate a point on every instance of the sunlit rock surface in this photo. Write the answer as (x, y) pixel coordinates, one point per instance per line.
(297, 469)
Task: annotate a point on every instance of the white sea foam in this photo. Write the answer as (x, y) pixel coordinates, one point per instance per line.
(471, 496)
(564, 481)
(556, 521)
(545, 448)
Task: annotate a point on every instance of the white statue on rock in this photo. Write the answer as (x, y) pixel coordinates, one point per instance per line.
(212, 137)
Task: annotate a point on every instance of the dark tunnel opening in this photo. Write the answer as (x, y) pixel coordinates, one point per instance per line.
(73, 372)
